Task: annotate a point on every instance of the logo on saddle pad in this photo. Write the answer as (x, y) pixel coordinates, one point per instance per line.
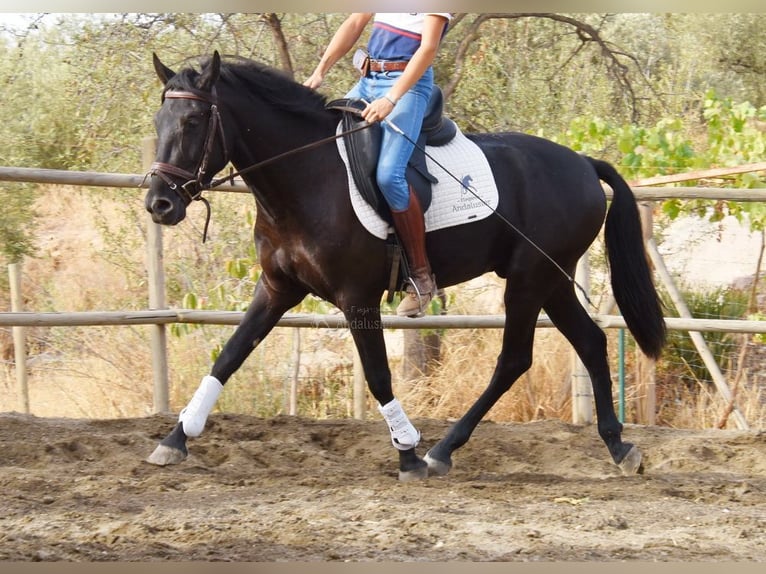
(466, 194)
(469, 198)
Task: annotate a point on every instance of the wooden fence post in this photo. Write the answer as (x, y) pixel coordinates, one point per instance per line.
(646, 367)
(292, 396)
(156, 272)
(582, 389)
(19, 338)
(359, 388)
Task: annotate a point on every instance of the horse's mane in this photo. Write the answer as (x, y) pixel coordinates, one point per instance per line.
(269, 84)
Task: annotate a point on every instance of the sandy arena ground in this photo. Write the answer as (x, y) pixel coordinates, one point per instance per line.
(292, 489)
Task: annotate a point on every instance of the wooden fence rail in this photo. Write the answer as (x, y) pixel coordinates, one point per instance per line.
(86, 178)
(331, 321)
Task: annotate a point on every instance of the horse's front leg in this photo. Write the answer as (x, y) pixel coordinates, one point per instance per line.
(366, 329)
(266, 308)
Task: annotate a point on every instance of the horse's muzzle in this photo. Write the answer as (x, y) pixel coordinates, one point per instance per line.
(165, 211)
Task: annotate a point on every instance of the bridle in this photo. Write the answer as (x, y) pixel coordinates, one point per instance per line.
(194, 185)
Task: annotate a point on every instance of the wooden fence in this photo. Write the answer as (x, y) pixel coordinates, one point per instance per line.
(158, 316)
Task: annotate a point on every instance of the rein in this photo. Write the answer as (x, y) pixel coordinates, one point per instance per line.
(194, 186)
(307, 147)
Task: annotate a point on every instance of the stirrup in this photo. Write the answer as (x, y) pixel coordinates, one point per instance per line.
(422, 299)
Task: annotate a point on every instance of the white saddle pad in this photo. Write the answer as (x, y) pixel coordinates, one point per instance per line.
(471, 195)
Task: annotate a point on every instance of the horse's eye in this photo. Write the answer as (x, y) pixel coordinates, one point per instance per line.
(192, 122)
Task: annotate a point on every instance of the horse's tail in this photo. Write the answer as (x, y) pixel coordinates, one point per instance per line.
(632, 283)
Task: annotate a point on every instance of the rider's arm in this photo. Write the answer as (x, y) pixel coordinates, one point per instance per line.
(423, 57)
(344, 39)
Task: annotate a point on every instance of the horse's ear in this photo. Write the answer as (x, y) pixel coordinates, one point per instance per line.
(210, 73)
(162, 70)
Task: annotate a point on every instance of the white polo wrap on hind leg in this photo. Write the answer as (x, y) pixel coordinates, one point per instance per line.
(404, 435)
(194, 416)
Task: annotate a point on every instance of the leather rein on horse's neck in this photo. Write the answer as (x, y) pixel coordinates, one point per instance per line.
(195, 185)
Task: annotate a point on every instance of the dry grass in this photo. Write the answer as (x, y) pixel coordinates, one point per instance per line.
(466, 368)
(704, 408)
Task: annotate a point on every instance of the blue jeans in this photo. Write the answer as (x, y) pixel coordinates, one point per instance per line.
(395, 149)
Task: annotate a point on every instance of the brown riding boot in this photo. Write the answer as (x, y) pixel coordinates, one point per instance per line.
(410, 226)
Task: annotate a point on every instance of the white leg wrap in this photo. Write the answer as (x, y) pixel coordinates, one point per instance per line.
(195, 414)
(404, 436)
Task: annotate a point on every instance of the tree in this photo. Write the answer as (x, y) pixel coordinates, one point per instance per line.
(615, 60)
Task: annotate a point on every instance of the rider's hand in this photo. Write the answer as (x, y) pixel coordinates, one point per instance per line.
(314, 80)
(378, 110)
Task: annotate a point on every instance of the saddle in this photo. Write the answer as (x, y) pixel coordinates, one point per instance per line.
(363, 149)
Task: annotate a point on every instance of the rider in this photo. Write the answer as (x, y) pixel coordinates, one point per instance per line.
(397, 85)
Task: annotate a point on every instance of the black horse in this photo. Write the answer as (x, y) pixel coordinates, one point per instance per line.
(551, 208)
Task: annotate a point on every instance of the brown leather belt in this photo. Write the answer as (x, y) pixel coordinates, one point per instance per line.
(387, 65)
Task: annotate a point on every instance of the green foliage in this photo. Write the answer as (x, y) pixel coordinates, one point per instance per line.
(528, 74)
(18, 223)
(758, 337)
(37, 117)
(731, 134)
(681, 358)
(734, 133)
(640, 151)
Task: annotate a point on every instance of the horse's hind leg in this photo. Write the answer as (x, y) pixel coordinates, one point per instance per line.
(263, 313)
(589, 341)
(365, 326)
(515, 359)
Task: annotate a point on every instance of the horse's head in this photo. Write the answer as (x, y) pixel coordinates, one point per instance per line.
(191, 144)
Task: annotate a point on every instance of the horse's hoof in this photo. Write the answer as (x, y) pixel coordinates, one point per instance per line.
(437, 467)
(631, 464)
(420, 473)
(165, 455)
